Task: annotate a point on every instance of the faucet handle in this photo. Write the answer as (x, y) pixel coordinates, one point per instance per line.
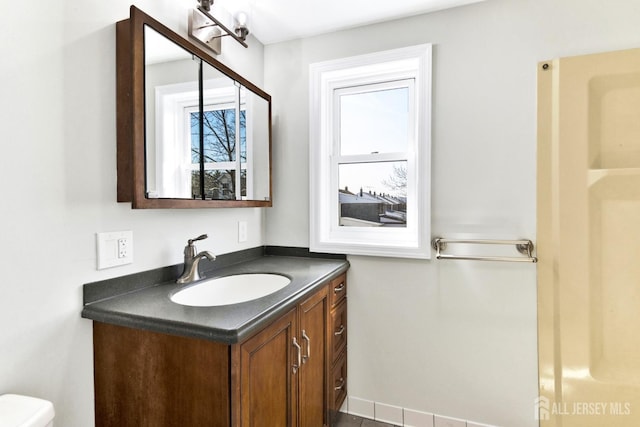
(201, 237)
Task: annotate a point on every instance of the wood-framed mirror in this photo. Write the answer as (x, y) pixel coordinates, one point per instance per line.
(192, 133)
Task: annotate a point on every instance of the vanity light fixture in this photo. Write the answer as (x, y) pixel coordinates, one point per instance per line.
(209, 30)
(241, 25)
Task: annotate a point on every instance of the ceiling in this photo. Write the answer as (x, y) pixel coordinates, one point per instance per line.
(273, 21)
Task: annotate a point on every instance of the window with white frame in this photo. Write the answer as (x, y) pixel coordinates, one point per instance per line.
(220, 151)
(225, 143)
(370, 154)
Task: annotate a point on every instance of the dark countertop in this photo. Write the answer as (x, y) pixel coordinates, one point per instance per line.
(151, 309)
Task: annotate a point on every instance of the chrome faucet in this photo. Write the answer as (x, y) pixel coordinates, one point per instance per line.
(191, 261)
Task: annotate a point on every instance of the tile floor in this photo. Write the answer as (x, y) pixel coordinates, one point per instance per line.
(345, 420)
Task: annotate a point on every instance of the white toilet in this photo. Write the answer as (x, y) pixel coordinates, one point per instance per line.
(25, 411)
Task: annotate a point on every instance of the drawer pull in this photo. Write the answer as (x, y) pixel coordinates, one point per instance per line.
(340, 288)
(297, 346)
(308, 355)
(340, 331)
(341, 386)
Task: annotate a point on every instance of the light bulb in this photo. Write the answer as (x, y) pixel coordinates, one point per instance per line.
(242, 18)
(241, 29)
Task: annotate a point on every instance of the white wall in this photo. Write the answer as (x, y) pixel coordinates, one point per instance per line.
(456, 338)
(58, 180)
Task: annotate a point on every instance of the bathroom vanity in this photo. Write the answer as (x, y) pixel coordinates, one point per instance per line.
(279, 360)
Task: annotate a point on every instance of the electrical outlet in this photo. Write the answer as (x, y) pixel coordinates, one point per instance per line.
(242, 231)
(114, 249)
(123, 248)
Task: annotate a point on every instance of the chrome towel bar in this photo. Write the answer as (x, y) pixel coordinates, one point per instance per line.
(525, 247)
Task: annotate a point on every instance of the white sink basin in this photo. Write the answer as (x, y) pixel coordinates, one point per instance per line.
(230, 290)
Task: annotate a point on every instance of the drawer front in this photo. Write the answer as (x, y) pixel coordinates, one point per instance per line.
(338, 290)
(338, 383)
(338, 330)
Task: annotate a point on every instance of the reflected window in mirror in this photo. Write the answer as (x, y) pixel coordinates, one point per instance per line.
(200, 142)
(212, 164)
(222, 147)
(207, 171)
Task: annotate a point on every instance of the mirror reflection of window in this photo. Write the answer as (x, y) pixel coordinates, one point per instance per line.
(219, 153)
(232, 161)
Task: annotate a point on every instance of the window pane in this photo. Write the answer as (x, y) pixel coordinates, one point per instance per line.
(243, 136)
(373, 194)
(243, 183)
(195, 137)
(375, 121)
(195, 185)
(218, 184)
(219, 136)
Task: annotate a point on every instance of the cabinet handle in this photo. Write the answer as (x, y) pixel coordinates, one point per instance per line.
(340, 288)
(340, 332)
(308, 355)
(296, 345)
(341, 386)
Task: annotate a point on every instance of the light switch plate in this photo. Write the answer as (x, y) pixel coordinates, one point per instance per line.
(114, 248)
(242, 231)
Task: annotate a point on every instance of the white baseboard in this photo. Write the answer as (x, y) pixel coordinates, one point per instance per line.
(402, 416)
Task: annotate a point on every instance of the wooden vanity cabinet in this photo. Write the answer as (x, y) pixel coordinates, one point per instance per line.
(148, 379)
(263, 379)
(283, 373)
(280, 376)
(338, 343)
(313, 372)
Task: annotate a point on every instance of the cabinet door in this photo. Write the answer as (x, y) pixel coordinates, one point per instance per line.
(337, 290)
(150, 379)
(338, 385)
(314, 370)
(338, 330)
(268, 390)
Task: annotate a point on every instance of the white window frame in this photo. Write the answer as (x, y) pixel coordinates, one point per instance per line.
(221, 166)
(174, 103)
(326, 235)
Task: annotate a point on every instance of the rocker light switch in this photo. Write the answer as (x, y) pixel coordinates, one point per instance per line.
(242, 231)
